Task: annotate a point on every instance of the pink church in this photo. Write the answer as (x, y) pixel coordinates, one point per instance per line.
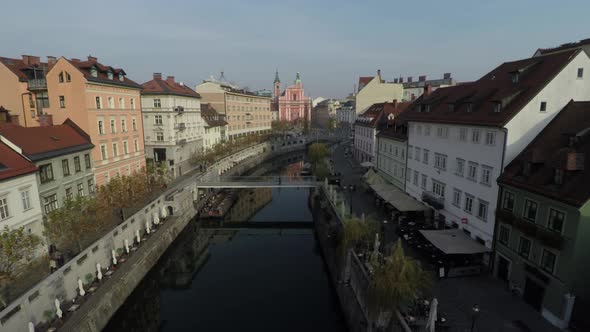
(292, 104)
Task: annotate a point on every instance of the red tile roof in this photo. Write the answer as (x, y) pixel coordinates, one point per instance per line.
(167, 87)
(39, 143)
(364, 80)
(22, 70)
(564, 47)
(211, 116)
(102, 71)
(493, 88)
(566, 136)
(12, 164)
(378, 113)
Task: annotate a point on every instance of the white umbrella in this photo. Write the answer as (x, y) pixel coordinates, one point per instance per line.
(114, 254)
(156, 218)
(81, 287)
(31, 327)
(58, 311)
(98, 272)
(432, 315)
(137, 236)
(163, 212)
(127, 246)
(147, 226)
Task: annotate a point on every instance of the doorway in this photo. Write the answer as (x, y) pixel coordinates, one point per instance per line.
(503, 271)
(533, 293)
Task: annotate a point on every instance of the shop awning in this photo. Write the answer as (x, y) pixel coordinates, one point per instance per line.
(399, 199)
(454, 241)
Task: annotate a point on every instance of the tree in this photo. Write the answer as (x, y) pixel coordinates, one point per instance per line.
(317, 152)
(17, 248)
(396, 282)
(321, 171)
(356, 232)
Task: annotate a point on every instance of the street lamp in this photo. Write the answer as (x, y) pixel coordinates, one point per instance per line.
(474, 314)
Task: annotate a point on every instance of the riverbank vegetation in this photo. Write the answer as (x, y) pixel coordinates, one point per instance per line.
(317, 154)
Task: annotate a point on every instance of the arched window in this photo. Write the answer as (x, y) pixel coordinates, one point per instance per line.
(68, 77)
(61, 77)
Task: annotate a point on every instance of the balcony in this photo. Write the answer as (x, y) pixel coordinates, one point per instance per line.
(37, 84)
(180, 126)
(550, 238)
(506, 216)
(433, 200)
(181, 141)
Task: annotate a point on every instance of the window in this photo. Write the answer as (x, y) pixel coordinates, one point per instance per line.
(486, 175)
(68, 77)
(42, 100)
(442, 132)
(103, 152)
(4, 213)
(160, 136)
(87, 161)
(427, 130)
(77, 167)
(438, 188)
(425, 157)
(410, 150)
(80, 189)
(497, 107)
(475, 136)
(121, 103)
(110, 75)
(472, 171)
(132, 101)
(69, 193)
(548, 261)
(158, 120)
(543, 106)
(424, 181)
(468, 203)
(408, 173)
(61, 77)
(556, 220)
(508, 201)
(134, 124)
(125, 147)
(115, 150)
(136, 145)
(417, 153)
(530, 210)
(463, 134)
(482, 211)
(415, 178)
(558, 176)
(504, 236)
(62, 102)
(490, 138)
(91, 186)
(46, 173)
(524, 247)
(113, 126)
(456, 197)
(93, 72)
(101, 127)
(460, 167)
(111, 102)
(65, 165)
(440, 161)
(50, 203)
(580, 72)
(124, 125)
(26, 199)
(469, 107)
(98, 103)
(157, 103)
(419, 130)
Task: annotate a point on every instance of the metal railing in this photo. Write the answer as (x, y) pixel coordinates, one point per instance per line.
(38, 84)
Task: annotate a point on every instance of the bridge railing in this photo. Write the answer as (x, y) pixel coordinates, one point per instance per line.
(262, 179)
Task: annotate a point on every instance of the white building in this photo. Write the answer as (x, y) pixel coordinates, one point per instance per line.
(19, 194)
(346, 114)
(374, 90)
(460, 138)
(172, 123)
(414, 89)
(215, 127)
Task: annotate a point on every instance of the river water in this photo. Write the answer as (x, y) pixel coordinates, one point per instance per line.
(247, 279)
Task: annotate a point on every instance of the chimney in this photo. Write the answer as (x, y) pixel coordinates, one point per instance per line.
(427, 90)
(92, 58)
(157, 76)
(394, 103)
(45, 120)
(446, 76)
(409, 79)
(422, 78)
(170, 79)
(25, 59)
(75, 60)
(51, 60)
(30, 60)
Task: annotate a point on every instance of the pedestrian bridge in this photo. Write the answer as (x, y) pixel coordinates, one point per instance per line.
(258, 182)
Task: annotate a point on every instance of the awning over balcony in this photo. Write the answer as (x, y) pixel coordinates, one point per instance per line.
(454, 241)
(399, 199)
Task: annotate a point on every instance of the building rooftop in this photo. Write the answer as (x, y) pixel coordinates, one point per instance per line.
(211, 116)
(13, 164)
(28, 67)
(381, 113)
(563, 47)
(495, 98)
(158, 86)
(38, 143)
(556, 163)
(102, 73)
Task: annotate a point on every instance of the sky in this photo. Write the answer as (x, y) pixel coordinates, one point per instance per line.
(331, 43)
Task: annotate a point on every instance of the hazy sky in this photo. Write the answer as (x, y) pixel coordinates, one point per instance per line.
(330, 42)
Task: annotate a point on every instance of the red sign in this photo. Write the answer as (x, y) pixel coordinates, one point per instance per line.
(463, 220)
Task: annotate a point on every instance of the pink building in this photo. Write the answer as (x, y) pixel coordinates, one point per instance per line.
(292, 104)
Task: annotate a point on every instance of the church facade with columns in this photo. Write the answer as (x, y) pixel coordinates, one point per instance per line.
(292, 104)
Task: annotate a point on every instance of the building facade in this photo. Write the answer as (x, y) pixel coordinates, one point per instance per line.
(19, 194)
(374, 90)
(413, 90)
(173, 127)
(245, 112)
(460, 138)
(215, 127)
(62, 153)
(323, 112)
(346, 114)
(104, 103)
(543, 218)
(292, 104)
(391, 156)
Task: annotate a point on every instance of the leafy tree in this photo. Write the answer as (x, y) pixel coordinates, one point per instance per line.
(321, 171)
(396, 282)
(356, 232)
(17, 248)
(317, 152)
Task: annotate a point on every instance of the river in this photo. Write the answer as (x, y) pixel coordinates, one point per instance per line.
(254, 279)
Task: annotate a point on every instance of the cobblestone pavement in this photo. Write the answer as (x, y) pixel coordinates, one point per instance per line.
(500, 310)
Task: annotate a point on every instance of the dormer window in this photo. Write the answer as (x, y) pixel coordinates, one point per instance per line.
(426, 108)
(110, 75)
(526, 171)
(515, 77)
(451, 107)
(470, 107)
(93, 72)
(121, 77)
(497, 107)
(558, 176)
